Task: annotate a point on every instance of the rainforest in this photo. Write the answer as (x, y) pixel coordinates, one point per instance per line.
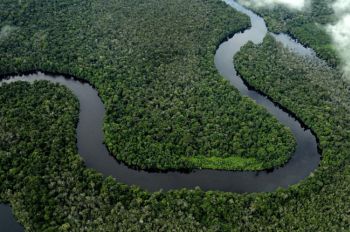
(182, 115)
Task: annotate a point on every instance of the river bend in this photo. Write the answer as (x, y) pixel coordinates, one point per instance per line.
(96, 156)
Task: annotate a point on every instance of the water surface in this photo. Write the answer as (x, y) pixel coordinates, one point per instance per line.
(90, 135)
(8, 222)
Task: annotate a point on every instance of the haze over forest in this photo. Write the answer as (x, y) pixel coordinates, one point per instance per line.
(175, 115)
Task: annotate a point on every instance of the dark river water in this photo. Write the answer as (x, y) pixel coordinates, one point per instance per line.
(90, 135)
(7, 221)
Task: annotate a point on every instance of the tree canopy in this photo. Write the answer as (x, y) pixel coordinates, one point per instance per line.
(307, 26)
(152, 64)
(46, 182)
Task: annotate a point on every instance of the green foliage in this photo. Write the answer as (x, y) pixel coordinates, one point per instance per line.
(51, 190)
(152, 63)
(226, 163)
(308, 26)
(45, 180)
(320, 97)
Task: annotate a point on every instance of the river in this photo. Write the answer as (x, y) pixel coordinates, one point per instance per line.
(96, 156)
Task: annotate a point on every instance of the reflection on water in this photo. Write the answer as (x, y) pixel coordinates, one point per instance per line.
(90, 135)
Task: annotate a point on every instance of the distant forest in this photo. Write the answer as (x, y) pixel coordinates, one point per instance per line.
(307, 26)
(152, 63)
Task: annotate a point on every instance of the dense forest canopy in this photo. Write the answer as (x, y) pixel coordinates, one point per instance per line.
(46, 182)
(152, 63)
(320, 97)
(50, 189)
(307, 25)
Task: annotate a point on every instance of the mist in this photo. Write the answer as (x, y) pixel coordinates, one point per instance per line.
(340, 33)
(293, 4)
(6, 31)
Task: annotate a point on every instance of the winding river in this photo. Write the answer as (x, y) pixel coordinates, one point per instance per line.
(96, 156)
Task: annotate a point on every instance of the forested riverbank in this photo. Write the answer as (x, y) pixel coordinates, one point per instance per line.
(319, 96)
(307, 26)
(54, 190)
(50, 188)
(167, 108)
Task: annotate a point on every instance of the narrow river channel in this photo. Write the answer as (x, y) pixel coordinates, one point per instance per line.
(96, 156)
